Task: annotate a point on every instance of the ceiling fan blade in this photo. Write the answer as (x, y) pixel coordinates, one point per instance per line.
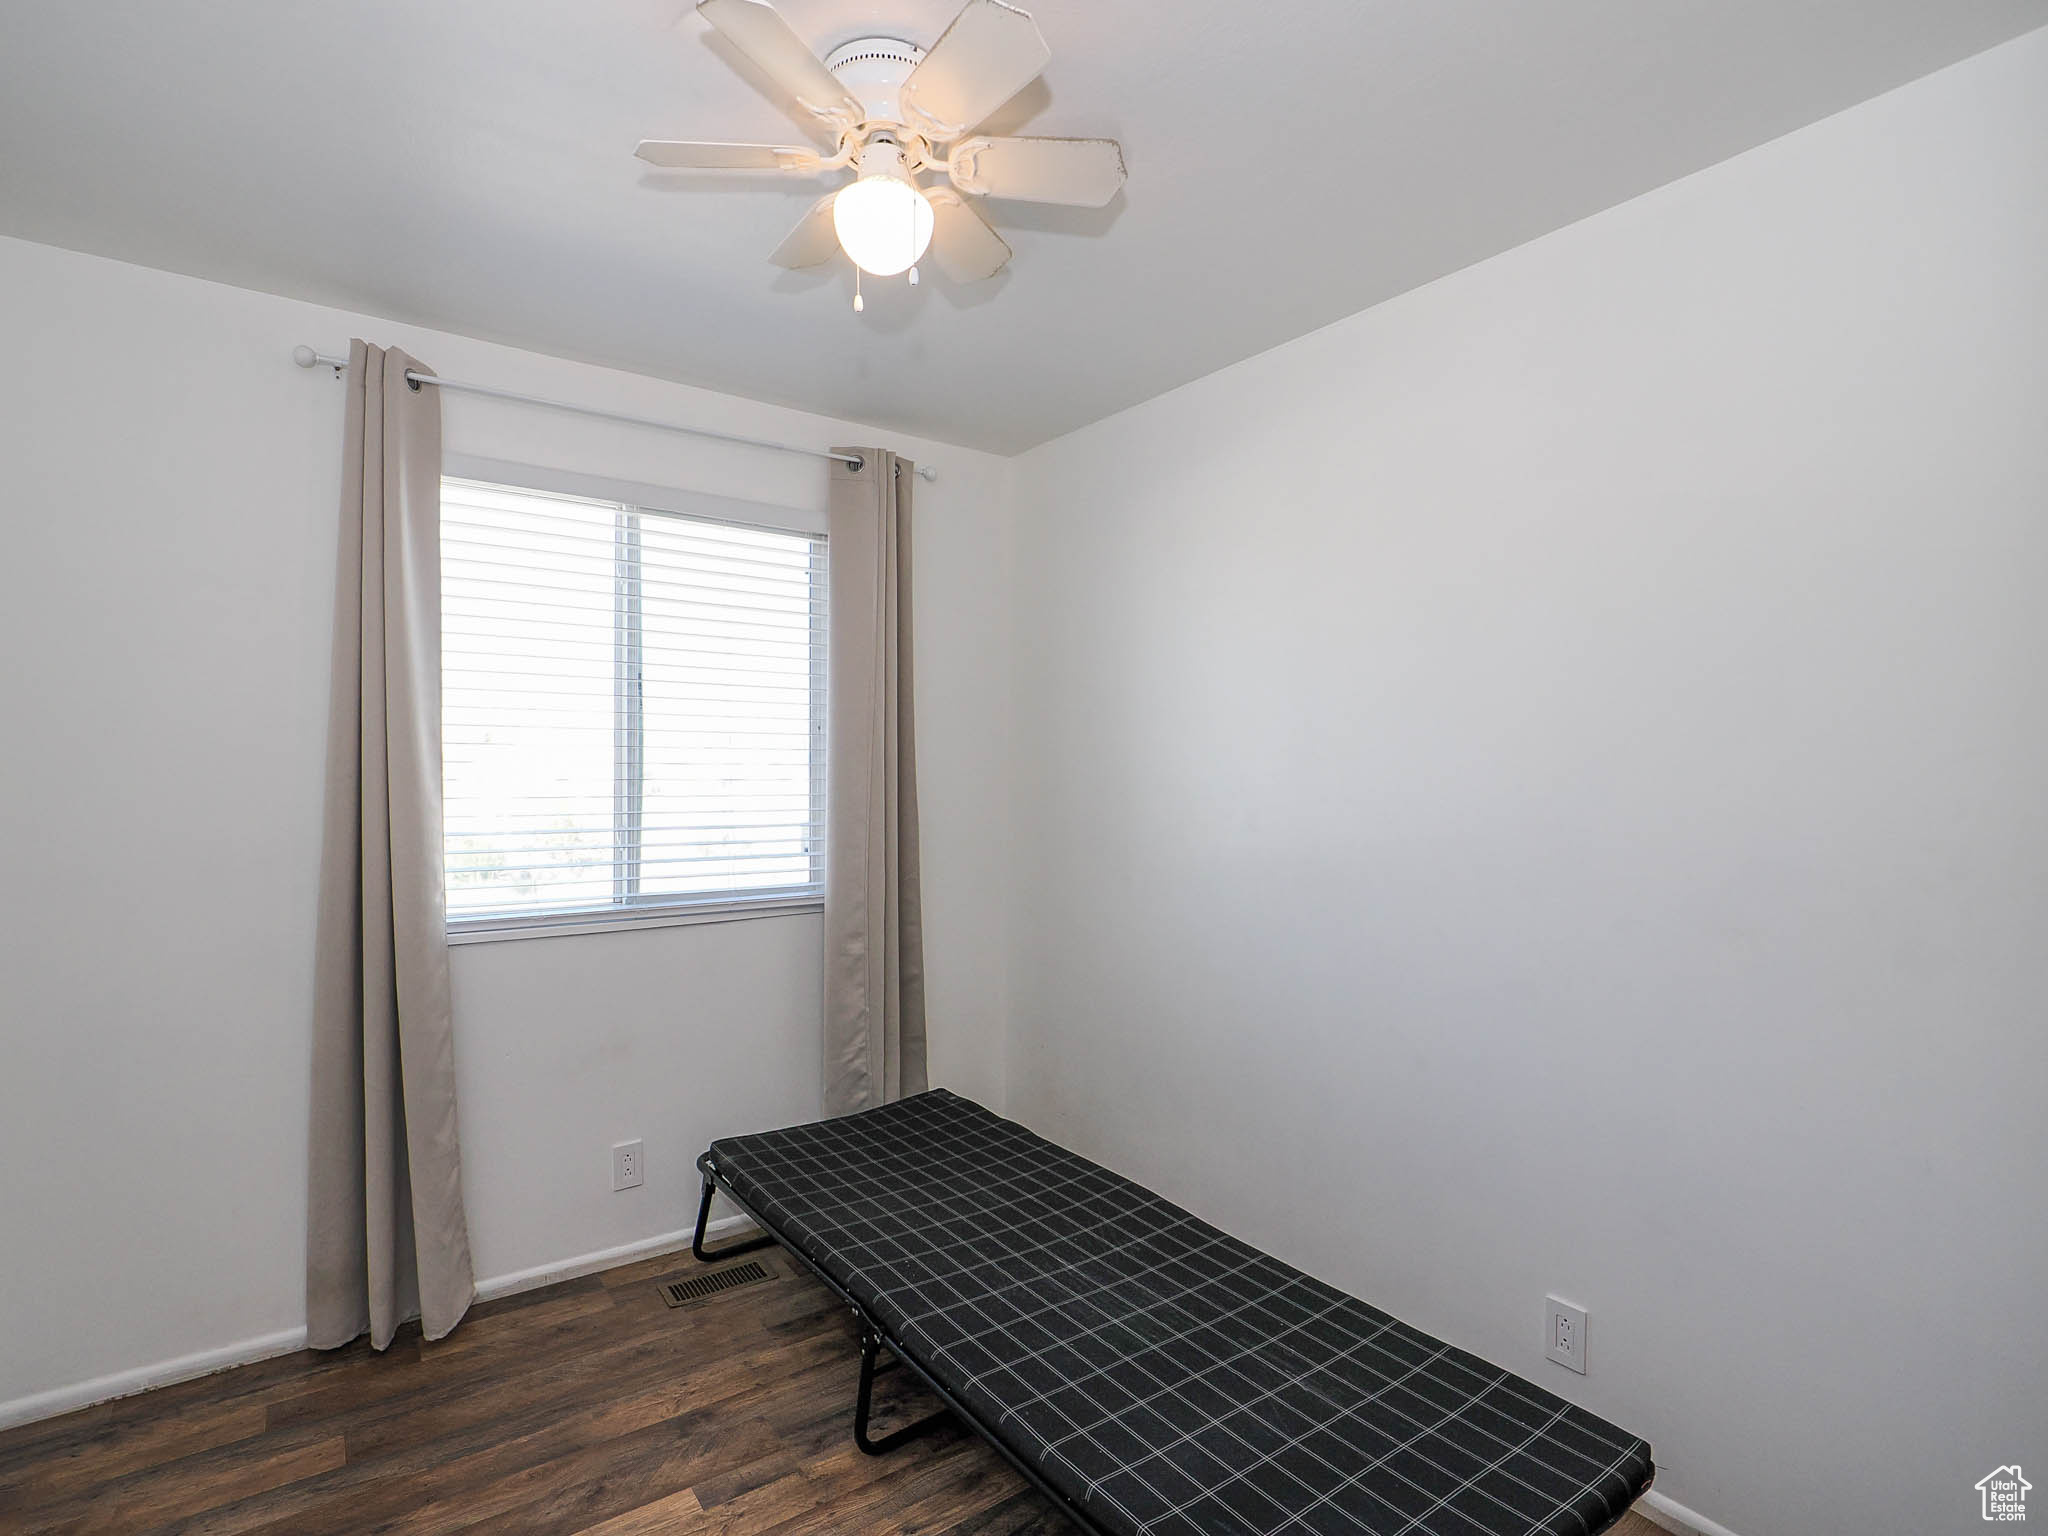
(813, 241)
(1081, 173)
(989, 53)
(689, 155)
(759, 32)
(962, 243)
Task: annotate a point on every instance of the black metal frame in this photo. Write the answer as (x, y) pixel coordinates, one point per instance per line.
(730, 1250)
(871, 1346)
(874, 1337)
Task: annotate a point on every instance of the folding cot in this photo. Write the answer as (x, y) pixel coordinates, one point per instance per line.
(1153, 1375)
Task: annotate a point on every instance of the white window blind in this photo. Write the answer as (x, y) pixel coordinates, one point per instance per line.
(633, 709)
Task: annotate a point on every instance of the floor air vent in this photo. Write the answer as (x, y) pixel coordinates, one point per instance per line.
(682, 1293)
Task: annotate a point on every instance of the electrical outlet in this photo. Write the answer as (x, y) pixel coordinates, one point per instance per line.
(628, 1165)
(1564, 1336)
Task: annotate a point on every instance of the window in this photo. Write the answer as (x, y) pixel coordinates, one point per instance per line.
(633, 710)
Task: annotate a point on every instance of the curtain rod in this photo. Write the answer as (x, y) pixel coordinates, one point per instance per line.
(306, 357)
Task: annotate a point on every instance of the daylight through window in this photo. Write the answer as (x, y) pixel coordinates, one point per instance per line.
(632, 709)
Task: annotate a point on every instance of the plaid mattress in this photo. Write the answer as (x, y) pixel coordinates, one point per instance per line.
(1166, 1377)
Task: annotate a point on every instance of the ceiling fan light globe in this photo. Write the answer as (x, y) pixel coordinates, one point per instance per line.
(884, 224)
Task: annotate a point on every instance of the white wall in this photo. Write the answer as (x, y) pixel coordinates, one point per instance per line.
(168, 482)
(1539, 787)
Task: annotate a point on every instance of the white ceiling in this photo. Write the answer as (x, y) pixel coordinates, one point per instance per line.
(469, 165)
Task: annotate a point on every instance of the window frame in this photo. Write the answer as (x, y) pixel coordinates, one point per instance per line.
(702, 506)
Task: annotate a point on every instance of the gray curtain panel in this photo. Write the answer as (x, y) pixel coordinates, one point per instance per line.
(385, 1232)
(874, 943)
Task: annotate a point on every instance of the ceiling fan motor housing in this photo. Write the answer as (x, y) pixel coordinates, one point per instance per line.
(874, 69)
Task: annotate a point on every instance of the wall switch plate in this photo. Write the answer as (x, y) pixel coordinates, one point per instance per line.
(628, 1165)
(1564, 1334)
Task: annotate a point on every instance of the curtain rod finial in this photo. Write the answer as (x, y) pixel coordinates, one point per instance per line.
(305, 356)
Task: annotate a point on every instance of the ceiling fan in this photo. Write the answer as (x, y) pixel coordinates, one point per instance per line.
(899, 112)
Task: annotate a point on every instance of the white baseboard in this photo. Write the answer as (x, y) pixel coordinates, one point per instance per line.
(84, 1394)
(1675, 1517)
(605, 1258)
(47, 1405)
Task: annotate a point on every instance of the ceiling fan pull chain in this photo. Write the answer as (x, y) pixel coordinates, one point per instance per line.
(859, 303)
(921, 206)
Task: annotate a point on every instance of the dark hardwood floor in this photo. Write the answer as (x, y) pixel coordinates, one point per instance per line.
(588, 1407)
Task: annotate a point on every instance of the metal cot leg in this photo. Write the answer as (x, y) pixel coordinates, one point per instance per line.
(730, 1249)
(870, 1347)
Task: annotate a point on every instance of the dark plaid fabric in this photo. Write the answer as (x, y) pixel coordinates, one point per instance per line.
(1165, 1376)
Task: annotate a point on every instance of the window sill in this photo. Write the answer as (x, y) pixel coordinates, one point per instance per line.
(573, 924)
